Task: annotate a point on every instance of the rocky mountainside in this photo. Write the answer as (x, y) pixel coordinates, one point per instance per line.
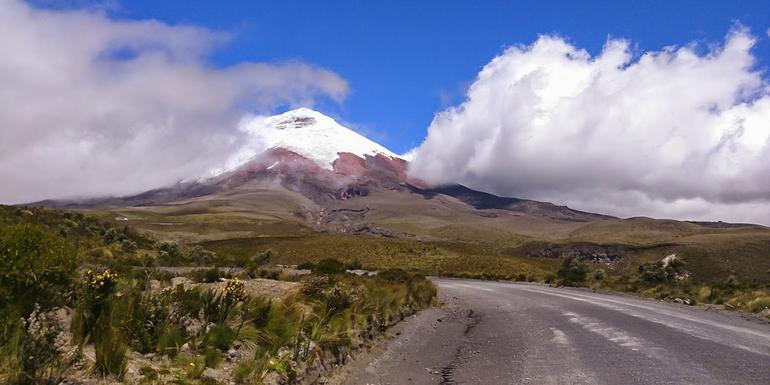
(332, 167)
(304, 183)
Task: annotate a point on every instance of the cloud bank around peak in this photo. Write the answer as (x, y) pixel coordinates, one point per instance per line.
(672, 133)
(91, 105)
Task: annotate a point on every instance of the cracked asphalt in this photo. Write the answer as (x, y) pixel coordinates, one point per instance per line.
(504, 333)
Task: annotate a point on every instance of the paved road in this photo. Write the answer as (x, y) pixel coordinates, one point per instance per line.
(502, 333)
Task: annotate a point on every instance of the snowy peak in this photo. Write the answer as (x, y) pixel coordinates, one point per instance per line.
(306, 132)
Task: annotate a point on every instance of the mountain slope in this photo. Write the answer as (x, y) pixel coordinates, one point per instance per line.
(318, 184)
(312, 155)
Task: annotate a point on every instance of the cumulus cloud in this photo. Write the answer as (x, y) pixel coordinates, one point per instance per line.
(91, 105)
(677, 132)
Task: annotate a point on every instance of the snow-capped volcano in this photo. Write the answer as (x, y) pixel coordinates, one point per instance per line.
(302, 163)
(306, 132)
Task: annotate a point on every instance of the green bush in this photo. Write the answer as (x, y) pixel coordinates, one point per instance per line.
(170, 340)
(212, 358)
(572, 271)
(354, 265)
(37, 268)
(168, 252)
(657, 272)
(731, 282)
(269, 274)
(220, 337)
(329, 266)
(201, 256)
(243, 371)
(758, 304)
(651, 272)
(109, 349)
(94, 320)
(193, 366)
(93, 304)
(128, 245)
(112, 235)
(306, 266)
(208, 275)
(398, 275)
(146, 317)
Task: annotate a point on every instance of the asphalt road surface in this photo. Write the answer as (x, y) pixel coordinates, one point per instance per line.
(502, 333)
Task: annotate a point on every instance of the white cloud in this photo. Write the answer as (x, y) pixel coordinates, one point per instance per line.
(90, 105)
(671, 133)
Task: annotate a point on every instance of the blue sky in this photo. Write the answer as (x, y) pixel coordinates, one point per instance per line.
(406, 60)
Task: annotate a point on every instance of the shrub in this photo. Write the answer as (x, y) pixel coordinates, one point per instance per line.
(112, 235)
(243, 371)
(94, 319)
(109, 350)
(704, 294)
(220, 337)
(170, 340)
(92, 303)
(201, 256)
(148, 375)
(263, 258)
(234, 292)
(660, 271)
(269, 274)
(353, 265)
(329, 266)
(128, 245)
(397, 275)
(211, 358)
(306, 266)
(758, 304)
(651, 272)
(572, 271)
(314, 286)
(598, 275)
(208, 275)
(337, 299)
(32, 353)
(37, 268)
(168, 251)
(192, 366)
(731, 282)
(146, 318)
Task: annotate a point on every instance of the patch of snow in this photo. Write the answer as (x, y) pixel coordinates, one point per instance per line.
(304, 131)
